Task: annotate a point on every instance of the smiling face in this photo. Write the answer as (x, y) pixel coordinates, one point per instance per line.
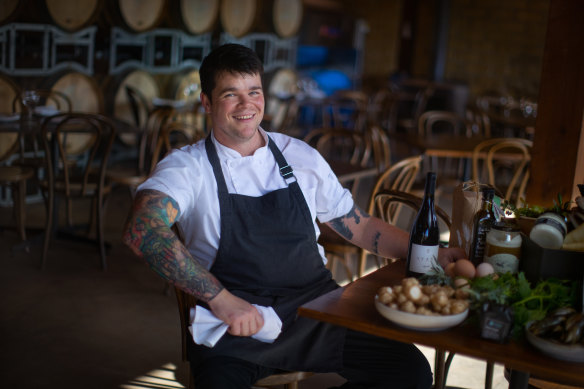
(236, 107)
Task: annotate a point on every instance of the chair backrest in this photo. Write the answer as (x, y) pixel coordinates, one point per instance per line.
(387, 204)
(349, 109)
(138, 105)
(77, 147)
(341, 145)
(400, 176)
(174, 135)
(433, 122)
(380, 146)
(506, 162)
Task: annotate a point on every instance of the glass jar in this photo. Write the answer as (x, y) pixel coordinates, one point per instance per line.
(503, 247)
(549, 230)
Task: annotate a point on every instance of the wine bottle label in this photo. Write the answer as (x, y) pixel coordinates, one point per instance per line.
(423, 258)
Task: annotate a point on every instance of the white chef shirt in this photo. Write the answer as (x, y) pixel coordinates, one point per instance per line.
(186, 176)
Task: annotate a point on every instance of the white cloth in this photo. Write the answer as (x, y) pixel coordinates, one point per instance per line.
(207, 329)
(187, 177)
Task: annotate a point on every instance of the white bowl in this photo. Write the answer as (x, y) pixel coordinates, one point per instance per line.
(565, 352)
(414, 321)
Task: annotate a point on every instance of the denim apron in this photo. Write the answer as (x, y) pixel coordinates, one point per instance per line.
(268, 256)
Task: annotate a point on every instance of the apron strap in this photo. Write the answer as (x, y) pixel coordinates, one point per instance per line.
(285, 170)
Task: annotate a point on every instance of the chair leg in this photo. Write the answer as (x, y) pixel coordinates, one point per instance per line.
(99, 205)
(48, 228)
(19, 191)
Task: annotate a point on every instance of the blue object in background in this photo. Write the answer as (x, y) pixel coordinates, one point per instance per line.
(331, 81)
(311, 56)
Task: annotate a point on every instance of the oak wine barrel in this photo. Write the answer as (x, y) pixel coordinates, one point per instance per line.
(185, 85)
(242, 17)
(8, 91)
(198, 16)
(119, 104)
(74, 15)
(10, 9)
(85, 96)
(136, 15)
(287, 17)
(282, 84)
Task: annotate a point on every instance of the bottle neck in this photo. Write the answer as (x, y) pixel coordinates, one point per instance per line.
(430, 186)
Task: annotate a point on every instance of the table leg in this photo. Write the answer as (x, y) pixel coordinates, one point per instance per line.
(439, 367)
(518, 379)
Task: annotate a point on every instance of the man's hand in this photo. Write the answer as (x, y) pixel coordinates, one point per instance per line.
(450, 254)
(242, 317)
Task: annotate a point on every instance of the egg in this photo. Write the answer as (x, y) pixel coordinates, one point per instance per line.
(484, 269)
(449, 269)
(464, 268)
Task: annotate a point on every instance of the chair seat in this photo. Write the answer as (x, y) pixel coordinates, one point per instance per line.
(15, 173)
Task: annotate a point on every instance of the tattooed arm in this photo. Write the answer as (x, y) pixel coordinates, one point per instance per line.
(379, 237)
(371, 233)
(148, 233)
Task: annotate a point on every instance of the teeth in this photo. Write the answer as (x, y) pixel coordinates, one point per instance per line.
(244, 117)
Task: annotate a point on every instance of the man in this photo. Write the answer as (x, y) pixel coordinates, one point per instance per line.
(246, 203)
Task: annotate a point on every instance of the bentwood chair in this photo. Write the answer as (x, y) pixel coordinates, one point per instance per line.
(399, 177)
(185, 302)
(504, 164)
(33, 105)
(14, 177)
(166, 128)
(77, 147)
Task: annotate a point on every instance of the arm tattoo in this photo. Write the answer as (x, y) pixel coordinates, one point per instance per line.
(148, 233)
(376, 242)
(340, 224)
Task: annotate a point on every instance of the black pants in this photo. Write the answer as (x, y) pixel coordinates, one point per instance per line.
(368, 362)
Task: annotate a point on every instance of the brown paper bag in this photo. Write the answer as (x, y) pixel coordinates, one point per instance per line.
(466, 201)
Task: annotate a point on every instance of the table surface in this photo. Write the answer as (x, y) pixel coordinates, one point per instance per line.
(352, 306)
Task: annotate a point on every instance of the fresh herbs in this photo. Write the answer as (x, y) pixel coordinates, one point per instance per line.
(528, 303)
(560, 207)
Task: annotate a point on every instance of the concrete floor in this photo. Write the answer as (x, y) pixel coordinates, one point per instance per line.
(74, 326)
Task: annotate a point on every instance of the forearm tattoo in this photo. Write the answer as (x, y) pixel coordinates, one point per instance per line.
(340, 224)
(376, 242)
(149, 234)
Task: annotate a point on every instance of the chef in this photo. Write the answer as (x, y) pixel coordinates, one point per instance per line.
(246, 203)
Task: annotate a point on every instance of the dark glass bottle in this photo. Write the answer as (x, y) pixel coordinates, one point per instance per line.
(482, 222)
(425, 235)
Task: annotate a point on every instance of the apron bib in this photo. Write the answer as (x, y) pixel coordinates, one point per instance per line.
(268, 256)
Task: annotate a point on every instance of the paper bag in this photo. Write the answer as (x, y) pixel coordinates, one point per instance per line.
(466, 201)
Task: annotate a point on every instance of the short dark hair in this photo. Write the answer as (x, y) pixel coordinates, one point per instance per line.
(232, 58)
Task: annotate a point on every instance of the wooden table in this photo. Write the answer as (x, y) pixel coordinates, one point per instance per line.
(352, 307)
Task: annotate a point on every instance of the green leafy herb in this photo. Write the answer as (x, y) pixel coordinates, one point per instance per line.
(560, 207)
(528, 303)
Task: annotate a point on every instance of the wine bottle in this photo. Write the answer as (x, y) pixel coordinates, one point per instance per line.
(482, 222)
(425, 235)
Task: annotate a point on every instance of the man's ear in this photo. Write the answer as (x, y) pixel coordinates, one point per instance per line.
(206, 102)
